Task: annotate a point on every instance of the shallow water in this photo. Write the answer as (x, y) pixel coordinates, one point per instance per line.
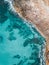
(20, 42)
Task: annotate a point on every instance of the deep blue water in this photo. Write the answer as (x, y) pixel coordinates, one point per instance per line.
(20, 42)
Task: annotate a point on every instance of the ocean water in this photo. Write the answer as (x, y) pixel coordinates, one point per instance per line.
(20, 42)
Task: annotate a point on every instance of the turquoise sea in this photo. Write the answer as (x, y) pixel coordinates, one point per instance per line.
(20, 42)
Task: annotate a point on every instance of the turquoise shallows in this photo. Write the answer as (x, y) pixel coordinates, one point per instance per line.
(20, 42)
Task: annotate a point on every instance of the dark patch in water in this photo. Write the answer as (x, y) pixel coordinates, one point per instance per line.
(11, 36)
(30, 63)
(3, 18)
(1, 39)
(27, 41)
(15, 25)
(25, 31)
(37, 62)
(17, 56)
(20, 63)
(9, 28)
(3, 9)
(14, 64)
(32, 41)
(23, 61)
